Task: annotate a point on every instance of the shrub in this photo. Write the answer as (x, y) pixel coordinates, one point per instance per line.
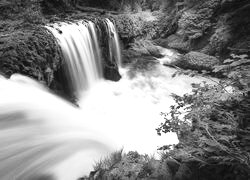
(212, 123)
(108, 162)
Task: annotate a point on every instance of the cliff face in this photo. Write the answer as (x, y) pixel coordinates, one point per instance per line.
(213, 27)
(211, 30)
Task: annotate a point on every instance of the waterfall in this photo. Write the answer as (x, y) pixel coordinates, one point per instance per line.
(114, 44)
(39, 132)
(82, 52)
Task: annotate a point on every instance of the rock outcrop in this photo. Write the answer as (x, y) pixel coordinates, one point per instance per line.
(213, 27)
(32, 52)
(197, 61)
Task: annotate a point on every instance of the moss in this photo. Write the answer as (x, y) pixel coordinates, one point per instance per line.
(137, 26)
(32, 52)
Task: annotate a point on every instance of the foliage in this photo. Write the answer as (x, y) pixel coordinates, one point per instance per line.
(129, 5)
(108, 162)
(236, 69)
(26, 10)
(58, 6)
(212, 123)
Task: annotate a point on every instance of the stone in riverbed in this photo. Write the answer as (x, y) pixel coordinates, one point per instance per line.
(146, 48)
(111, 73)
(198, 61)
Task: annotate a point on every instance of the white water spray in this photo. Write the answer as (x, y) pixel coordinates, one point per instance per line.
(39, 131)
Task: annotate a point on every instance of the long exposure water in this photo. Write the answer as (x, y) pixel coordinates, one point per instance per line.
(39, 130)
(42, 134)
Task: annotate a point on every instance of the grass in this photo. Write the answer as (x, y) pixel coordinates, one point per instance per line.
(109, 161)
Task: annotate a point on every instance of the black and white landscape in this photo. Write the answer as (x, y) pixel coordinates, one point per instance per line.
(124, 89)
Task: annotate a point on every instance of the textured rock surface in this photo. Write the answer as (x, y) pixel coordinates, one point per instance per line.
(26, 47)
(140, 25)
(197, 61)
(146, 48)
(211, 27)
(32, 52)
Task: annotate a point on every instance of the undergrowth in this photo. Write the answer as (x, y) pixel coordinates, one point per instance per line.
(212, 122)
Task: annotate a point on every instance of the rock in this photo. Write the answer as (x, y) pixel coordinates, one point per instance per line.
(220, 39)
(178, 42)
(197, 61)
(111, 73)
(154, 51)
(32, 52)
(146, 48)
(163, 42)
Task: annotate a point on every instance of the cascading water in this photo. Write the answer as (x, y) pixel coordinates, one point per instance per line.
(39, 131)
(114, 45)
(81, 52)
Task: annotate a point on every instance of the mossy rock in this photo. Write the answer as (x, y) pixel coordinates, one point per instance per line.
(31, 52)
(198, 61)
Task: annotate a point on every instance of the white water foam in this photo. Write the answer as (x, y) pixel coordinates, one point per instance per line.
(41, 133)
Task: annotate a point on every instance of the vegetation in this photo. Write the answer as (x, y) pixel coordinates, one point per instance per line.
(212, 124)
(109, 162)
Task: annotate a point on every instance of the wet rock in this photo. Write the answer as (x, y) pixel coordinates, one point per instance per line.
(111, 73)
(198, 61)
(146, 48)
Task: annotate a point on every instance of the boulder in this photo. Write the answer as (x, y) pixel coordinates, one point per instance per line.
(197, 61)
(177, 42)
(111, 73)
(146, 48)
(33, 52)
